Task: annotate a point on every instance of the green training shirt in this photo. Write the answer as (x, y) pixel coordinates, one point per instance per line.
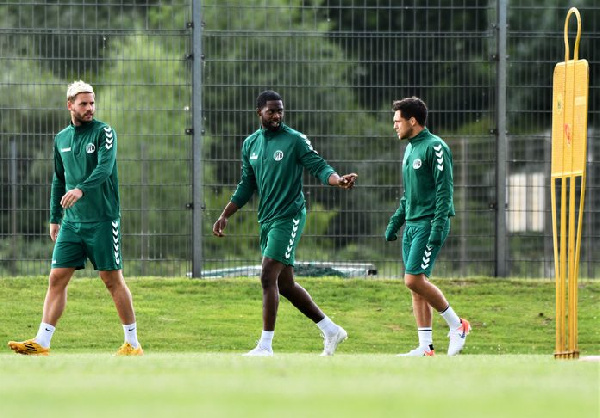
(272, 165)
(85, 158)
(428, 182)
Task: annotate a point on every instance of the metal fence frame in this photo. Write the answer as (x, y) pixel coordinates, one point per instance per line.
(496, 250)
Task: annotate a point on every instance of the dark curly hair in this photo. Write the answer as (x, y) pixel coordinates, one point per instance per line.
(412, 107)
(265, 96)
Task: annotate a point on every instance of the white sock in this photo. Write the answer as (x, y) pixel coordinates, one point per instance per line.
(451, 318)
(44, 335)
(266, 339)
(425, 336)
(131, 334)
(327, 326)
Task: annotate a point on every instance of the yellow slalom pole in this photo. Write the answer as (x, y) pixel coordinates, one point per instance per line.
(569, 149)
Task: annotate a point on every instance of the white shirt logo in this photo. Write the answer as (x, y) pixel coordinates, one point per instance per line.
(108, 134)
(310, 147)
(90, 148)
(254, 156)
(417, 164)
(68, 149)
(278, 156)
(439, 153)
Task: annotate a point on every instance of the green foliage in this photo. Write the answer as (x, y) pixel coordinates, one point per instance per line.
(153, 148)
(315, 78)
(533, 58)
(22, 255)
(27, 136)
(337, 65)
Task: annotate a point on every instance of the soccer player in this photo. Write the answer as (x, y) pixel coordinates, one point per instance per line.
(273, 160)
(426, 207)
(84, 220)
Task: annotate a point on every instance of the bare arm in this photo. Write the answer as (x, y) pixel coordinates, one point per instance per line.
(221, 223)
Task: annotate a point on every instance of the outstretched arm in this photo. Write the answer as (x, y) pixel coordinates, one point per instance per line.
(345, 182)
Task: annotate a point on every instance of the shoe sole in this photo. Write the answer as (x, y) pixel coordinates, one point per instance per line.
(425, 354)
(257, 355)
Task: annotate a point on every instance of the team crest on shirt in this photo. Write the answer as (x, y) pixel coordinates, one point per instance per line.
(90, 148)
(417, 164)
(278, 156)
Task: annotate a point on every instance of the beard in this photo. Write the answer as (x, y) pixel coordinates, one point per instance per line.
(272, 125)
(83, 118)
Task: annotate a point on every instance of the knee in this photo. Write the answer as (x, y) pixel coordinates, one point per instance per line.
(285, 288)
(58, 281)
(267, 278)
(412, 282)
(113, 281)
(110, 285)
(264, 282)
(269, 274)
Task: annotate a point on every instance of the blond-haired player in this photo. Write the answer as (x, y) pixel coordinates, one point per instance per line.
(85, 220)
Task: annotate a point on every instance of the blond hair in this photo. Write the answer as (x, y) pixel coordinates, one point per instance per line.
(77, 87)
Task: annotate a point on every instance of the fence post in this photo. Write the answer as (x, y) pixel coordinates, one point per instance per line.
(198, 134)
(14, 206)
(501, 143)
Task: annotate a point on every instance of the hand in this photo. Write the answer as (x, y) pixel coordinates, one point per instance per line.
(390, 234)
(435, 238)
(70, 198)
(347, 181)
(219, 227)
(54, 228)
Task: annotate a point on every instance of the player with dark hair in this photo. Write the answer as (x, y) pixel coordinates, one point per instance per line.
(84, 220)
(426, 207)
(273, 160)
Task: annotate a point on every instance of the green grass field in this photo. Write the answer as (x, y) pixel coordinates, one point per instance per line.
(194, 331)
(298, 385)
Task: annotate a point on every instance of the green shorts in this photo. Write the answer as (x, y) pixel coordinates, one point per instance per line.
(98, 241)
(418, 257)
(279, 238)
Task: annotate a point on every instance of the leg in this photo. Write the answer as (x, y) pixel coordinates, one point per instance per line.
(269, 277)
(115, 283)
(121, 295)
(421, 311)
(333, 334)
(271, 269)
(56, 296)
(427, 293)
(54, 305)
(419, 258)
(298, 296)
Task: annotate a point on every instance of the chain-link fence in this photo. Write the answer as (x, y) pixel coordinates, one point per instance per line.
(338, 65)
(134, 54)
